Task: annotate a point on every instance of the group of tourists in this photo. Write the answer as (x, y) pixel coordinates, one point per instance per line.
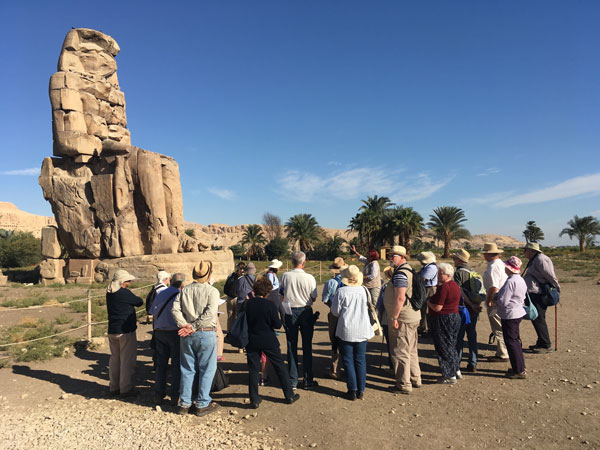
(186, 327)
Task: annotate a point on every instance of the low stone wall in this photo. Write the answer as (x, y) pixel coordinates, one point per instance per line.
(146, 266)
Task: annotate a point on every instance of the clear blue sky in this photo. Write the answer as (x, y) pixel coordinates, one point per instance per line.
(310, 106)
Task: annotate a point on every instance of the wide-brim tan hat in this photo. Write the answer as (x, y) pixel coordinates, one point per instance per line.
(389, 272)
(202, 271)
(275, 264)
(426, 257)
(119, 277)
(491, 247)
(397, 250)
(534, 246)
(338, 265)
(462, 255)
(352, 276)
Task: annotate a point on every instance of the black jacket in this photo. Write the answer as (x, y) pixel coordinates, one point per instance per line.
(121, 312)
(262, 318)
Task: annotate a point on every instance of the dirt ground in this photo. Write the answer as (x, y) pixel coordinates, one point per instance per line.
(557, 407)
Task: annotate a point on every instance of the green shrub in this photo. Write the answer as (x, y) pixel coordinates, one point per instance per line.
(19, 250)
(278, 247)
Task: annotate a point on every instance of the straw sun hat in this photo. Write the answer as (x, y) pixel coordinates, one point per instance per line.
(462, 255)
(491, 247)
(338, 265)
(352, 276)
(202, 271)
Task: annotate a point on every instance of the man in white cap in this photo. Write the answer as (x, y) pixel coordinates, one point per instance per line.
(494, 278)
(195, 313)
(120, 304)
(539, 271)
(163, 279)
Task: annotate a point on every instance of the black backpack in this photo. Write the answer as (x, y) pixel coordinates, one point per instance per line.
(150, 298)
(220, 381)
(229, 287)
(419, 293)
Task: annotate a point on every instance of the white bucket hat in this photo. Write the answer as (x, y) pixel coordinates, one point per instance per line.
(120, 277)
(275, 264)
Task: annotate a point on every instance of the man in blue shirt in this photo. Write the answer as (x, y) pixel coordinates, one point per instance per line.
(329, 290)
(166, 341)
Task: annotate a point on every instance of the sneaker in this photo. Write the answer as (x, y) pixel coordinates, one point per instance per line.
(459, 375)
(360, 395)
(350, 395)
(417, 385)
(471, 368)
(212, 407)
(292, 399)
(182, 410)
(309, 386)
(496, 358)
(130, 394)
(517, 376)
(451, 380)
(542, 350)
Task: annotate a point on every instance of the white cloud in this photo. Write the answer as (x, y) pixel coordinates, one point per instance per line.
(33, 171)
(586, 184)
(224, 194)
(355, 183)
(490, 171)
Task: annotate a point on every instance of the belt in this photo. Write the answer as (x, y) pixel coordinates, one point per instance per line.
(302, 307)
(207, 329)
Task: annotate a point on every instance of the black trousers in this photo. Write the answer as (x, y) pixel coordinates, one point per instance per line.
(274, 356)
(540, 325)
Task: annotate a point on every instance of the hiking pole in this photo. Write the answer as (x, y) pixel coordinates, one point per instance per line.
(555, 328)
(381, 354)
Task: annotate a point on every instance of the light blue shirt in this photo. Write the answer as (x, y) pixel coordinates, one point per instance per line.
(429, 273)
(330, 288)
(350, 305)
(273, 279)
(511, 298)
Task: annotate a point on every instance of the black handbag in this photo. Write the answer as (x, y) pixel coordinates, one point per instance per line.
(238, 335)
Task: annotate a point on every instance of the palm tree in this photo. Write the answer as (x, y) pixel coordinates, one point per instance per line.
(585, 229)
(446, 224)
(403, 222)
(532, 232)
(253, 239)
(303, 230)
(376, 204)
(369, 221)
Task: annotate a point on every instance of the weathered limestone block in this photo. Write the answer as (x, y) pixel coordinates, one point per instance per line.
(118, 116)
(57, 80)
(70, 100)
(75, 121)
(68, 61)
(91, 104)
(73, 143)
(97, 126)
(52, 268)
(3, 280)
(173, 195)
(50, 245)
(58, 120)
(120, 134)
(81, 267)
(87, 39)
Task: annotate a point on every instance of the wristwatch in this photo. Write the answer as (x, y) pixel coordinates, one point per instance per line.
(395, 319)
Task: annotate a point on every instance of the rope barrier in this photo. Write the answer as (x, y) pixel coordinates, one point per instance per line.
(64, 303)
(62, 332)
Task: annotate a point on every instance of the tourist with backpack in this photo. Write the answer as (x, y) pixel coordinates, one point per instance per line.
(231, 293)
(429, 273)
(329, 290)
(539, 276)
(403, 321)
(163, 280)
(243, 286)
(445, 322)
(473, 294)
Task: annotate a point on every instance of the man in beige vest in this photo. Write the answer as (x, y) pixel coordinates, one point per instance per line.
(403, 322)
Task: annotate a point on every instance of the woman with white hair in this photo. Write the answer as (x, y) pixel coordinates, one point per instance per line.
(445, 322)
(121, 303)
(353, 329)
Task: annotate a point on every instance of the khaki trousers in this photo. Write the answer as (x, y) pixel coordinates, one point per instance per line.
(405, 357)
(231, 311)
(121, 366)
(496, 326)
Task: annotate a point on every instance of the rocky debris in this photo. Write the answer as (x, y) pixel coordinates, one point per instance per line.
(94, 423)
(109, 198)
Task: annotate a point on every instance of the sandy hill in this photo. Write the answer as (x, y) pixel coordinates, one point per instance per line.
(12, 218)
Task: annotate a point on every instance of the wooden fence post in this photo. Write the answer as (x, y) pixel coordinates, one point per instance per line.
(555, 328)
(320, 264)
(89, 315)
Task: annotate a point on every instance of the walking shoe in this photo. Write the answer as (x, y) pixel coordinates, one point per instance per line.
(451, 380)
(417, 385)
(292, 399)
(310, 385)
(113, 393)
(542, 350)
(212, 407)
(351, 395)
(471, 368)
(496, 358)
(158, 399)
(129, 394)
(458, 375)
(360, 395)
(182, 410)
(254, 405)
(517, 376)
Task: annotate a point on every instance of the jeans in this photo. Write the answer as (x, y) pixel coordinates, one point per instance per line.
(301, 319)
(198, 353)
(167, 346)
(471, 331)
(355, 364)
